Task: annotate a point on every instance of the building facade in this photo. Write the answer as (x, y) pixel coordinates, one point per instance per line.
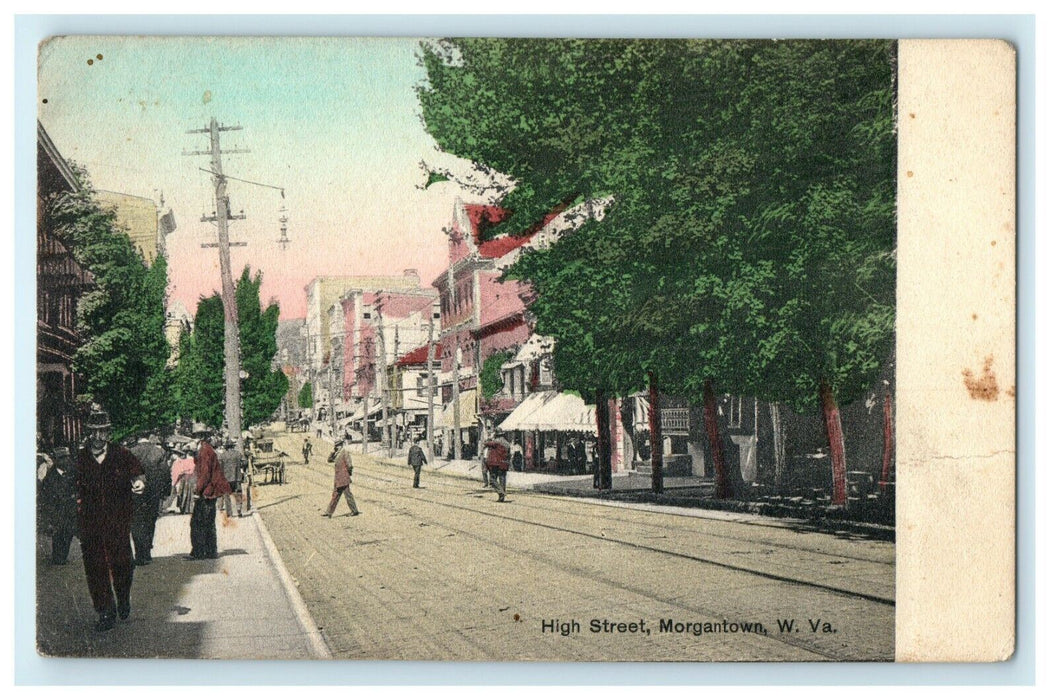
(60, 284)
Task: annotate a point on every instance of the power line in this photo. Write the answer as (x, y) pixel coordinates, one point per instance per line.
(282, 190)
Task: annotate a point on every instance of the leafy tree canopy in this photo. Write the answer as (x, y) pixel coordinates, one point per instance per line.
(201, 370)
(751, 240)
(121, 319)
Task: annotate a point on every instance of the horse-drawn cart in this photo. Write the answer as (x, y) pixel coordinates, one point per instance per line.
(297, 425)
(266, 464)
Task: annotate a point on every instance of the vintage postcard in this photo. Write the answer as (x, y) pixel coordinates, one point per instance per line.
(526, 349)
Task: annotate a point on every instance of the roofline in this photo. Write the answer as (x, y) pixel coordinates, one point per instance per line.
(53, 153)
(130, 196)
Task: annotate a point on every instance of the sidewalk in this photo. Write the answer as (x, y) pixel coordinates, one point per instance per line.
(242, 605)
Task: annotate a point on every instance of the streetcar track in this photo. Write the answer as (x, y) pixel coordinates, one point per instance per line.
(686, 530)
(634, 545)
(651, 595)
(596, 577)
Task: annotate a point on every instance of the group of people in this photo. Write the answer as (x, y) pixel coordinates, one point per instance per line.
(110, 497)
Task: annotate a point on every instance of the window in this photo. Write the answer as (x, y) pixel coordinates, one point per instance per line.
(734, 415)
(367, 316)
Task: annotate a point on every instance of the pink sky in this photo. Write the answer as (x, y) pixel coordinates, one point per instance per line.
(334, 122)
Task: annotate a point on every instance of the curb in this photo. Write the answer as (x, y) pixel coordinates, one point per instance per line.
(304, 618)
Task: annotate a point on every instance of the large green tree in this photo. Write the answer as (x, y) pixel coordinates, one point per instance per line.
(265, 384)
(749, 246)
(121, 319)
(201, 369)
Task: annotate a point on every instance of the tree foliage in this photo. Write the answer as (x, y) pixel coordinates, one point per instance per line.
(266, 385)
(304, 397)
(121, 319)
(491, 376)
(201, 369)
(751, 240)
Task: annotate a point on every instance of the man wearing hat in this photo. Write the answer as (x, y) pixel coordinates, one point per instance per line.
(497, 461)
(342, 480)
(231, 462)
(107, 477)
(155, 462)
(210, 484)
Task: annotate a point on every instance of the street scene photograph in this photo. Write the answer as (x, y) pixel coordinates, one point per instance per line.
(468, 349)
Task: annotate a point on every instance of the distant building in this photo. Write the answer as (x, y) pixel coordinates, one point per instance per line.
(178, 321)
(480, 315)
(375, 319)
(409, 384)
(60, 283)
(322, 294)
(140, 218)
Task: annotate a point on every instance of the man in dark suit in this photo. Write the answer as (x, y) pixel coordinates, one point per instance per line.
(416, 457)
(107, 477)
(155, 462)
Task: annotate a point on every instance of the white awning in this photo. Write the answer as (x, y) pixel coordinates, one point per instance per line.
(566, 412)
(521, 417)
(549, 410)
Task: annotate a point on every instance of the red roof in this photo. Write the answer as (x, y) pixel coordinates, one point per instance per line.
(483, 215)
(498, 247)
(418, 356)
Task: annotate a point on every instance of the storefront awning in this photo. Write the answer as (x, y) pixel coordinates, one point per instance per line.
(375, 409)
(566, 412)
(467, 411)
(549, 410)
(520, 417)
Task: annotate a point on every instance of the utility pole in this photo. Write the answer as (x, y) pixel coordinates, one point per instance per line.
(384, 385)
(333, 405)
(389, 394)
(455, 398)
(232, 390)
(432, 388)
(457, 443)
(363, 399)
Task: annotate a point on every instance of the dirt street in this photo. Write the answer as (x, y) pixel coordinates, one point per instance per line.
(446, 572)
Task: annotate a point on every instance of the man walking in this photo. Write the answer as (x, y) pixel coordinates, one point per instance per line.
(497, 460)
(306, 450)
(210, 485)
(416, 457)
(107, 477)
(155, 462)
(342, 481)
(231, 464)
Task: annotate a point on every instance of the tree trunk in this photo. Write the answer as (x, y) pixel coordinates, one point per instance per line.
(604, 451)
(831, 416)
(656, 456)
(886, 463)
(715, 443)
(779, 444)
